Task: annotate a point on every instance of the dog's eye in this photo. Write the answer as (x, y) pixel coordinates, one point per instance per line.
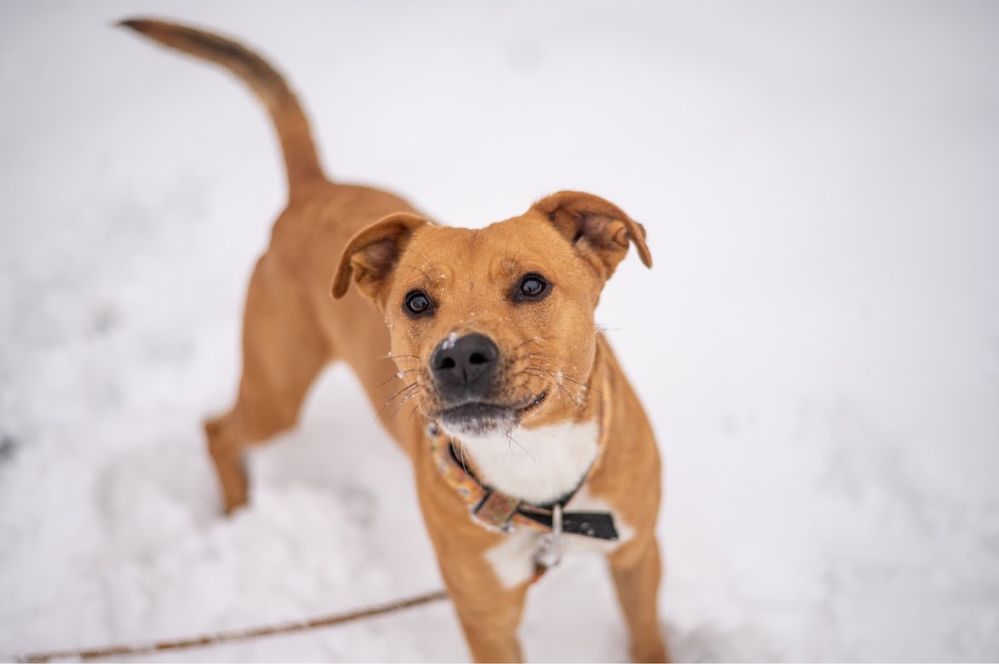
(531, 287)
(418, 303)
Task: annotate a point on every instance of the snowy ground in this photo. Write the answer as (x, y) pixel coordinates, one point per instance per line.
(818, 344)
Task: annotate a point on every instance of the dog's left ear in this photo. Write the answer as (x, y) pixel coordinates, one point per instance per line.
(371, 256)
(599, 230)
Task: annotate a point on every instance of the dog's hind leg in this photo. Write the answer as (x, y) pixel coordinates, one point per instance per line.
(283, 352)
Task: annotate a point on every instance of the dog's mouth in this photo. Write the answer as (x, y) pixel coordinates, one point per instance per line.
(479, 418)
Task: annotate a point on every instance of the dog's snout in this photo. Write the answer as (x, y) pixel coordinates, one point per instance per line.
(464, 367)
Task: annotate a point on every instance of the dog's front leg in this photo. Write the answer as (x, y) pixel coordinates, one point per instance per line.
(636, 571)
(489, 613)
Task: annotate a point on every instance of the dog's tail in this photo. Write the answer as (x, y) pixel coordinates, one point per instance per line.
(300, 158)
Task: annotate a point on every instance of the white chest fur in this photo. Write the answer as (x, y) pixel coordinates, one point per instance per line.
(539, 465)
(536, 465)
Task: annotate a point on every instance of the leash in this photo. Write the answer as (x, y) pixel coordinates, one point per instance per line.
(235, 635)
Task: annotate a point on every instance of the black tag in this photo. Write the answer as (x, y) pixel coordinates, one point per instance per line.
(588, 524)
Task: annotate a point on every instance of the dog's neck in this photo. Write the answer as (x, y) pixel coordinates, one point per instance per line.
(536, 465)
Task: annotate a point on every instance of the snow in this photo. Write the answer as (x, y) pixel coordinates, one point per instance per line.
(817, 345)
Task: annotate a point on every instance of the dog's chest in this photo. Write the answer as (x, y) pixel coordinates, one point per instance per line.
(539, 466)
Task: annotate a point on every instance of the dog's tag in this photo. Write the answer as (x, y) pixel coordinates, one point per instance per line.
(549, 551)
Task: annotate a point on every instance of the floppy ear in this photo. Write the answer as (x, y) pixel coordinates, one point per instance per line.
(597, 228)
(372, 254)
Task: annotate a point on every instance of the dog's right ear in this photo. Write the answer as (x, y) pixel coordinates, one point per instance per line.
(372, 254)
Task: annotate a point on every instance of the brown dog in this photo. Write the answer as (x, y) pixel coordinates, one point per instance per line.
(526, 439)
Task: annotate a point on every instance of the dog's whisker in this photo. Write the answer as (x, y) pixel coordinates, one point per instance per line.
(584, 386)
(401, 391)
(412, 386)
(561, 375)
(510, 437)
(578, 400)
(403, 402)
(396, 376)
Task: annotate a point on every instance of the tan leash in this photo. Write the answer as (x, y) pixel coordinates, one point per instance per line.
(235, 635)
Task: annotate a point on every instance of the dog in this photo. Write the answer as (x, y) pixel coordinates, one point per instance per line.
(480, 351)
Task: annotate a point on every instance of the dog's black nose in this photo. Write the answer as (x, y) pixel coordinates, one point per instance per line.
(464, 367)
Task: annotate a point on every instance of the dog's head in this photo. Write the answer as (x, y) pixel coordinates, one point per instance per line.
(494, 328)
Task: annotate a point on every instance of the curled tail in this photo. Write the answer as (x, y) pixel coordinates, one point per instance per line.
(300, 158)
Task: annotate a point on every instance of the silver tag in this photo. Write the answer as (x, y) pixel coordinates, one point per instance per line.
(549, 551)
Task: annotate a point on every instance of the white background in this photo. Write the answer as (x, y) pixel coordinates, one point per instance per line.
(817, 345)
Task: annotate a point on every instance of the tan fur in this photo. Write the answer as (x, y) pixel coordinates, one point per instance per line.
(332, 236)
